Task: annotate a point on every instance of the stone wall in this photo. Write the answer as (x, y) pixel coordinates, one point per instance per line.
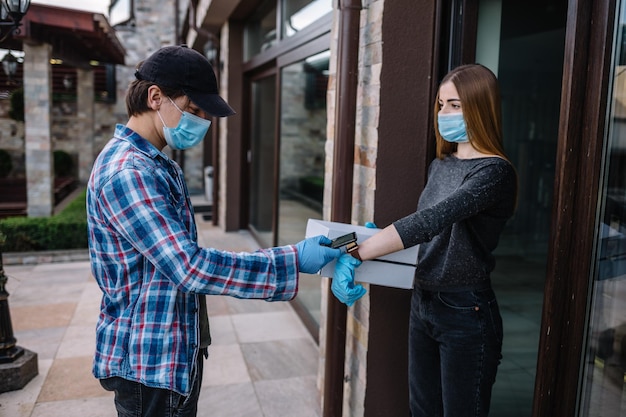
(302, 131)
(65, 131)
(12, 141)
(152, 29)
(364, 189)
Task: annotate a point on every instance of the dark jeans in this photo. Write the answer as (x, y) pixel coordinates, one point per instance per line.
(133, 399)
(455, 345)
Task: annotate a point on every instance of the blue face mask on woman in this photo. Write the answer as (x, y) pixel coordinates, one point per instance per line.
(452, 127)
(190, 130)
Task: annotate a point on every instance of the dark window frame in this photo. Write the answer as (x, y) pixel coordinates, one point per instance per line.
(582, 121)
(582, 124)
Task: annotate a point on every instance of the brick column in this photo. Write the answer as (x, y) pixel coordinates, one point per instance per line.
(37, 120)
(85, 105)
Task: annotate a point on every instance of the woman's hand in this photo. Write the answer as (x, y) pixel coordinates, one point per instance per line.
(343, 285)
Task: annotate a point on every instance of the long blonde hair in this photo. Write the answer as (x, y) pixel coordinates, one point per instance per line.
(479, 93)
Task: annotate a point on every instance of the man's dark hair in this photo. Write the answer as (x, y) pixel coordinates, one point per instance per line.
(137, 96)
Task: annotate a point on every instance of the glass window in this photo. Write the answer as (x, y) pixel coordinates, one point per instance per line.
(260, 30)
(287, 153)
(524, 46)
(262, 159)
(302, 141)
(298, 14)
(121, 12)
(604, 367)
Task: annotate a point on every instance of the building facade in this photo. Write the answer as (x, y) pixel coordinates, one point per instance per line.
(334, 102)
(62, 77)
(374, 67)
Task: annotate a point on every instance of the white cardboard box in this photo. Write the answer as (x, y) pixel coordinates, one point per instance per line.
(381, 271)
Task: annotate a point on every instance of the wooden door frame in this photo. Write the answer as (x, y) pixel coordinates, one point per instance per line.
(580, 146)
(586, 72)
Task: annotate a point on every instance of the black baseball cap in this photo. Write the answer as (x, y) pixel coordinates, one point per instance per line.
(188, 70)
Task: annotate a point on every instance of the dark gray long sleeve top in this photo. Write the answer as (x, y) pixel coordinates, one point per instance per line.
(460, 215)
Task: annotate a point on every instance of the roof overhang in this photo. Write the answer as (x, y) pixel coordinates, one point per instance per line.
(77, 37)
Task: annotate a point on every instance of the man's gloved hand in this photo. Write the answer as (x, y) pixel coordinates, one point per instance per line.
(312, 255)
(343, 280)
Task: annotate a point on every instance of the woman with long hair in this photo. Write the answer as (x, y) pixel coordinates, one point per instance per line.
(455, 335)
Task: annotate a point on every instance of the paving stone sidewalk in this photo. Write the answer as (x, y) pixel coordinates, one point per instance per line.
(263, 362)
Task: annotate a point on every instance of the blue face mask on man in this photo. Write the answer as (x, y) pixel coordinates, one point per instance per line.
(452, 127)
(190, 130)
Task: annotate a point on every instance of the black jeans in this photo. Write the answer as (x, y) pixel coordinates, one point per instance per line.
(455, 344)
(133, 399)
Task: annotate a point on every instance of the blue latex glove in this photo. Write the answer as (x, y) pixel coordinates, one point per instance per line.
(312, 255)
(370, 225)
(343, 280)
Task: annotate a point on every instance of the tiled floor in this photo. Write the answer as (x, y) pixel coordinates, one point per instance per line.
(262, 362)
(518, 284)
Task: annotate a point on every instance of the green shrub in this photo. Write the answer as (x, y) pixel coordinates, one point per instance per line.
(63, 164)
(66, 230)
(76, 208)
(16, 112)
(312, 187)
(6, 165)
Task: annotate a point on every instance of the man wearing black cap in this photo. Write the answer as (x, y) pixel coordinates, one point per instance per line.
(152, 331)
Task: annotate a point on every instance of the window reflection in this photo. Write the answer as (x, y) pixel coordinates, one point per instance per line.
(262, 163)
(302, 141)
(524, 46)
(299, 14)
(120, 12)
(260, 29)
(605, 364)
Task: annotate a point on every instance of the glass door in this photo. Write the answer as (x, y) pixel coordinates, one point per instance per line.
(604, 365)
(302, 156)
(262, 159)
(288, 127)
(523, 44)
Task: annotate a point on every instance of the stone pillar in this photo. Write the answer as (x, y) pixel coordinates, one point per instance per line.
(37, 122)
(85, 105)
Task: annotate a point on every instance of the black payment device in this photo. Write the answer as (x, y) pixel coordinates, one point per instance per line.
(343, 240)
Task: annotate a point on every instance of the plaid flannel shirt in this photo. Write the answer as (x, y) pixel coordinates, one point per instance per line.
(146, 259)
